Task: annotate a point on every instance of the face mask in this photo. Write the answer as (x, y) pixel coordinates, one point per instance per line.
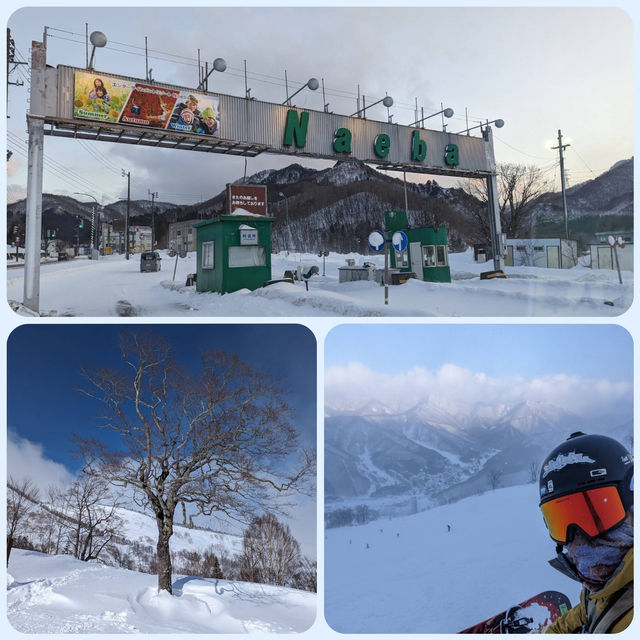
(596, 560)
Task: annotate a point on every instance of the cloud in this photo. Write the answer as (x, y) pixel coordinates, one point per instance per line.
(27, 459)
(353, 386)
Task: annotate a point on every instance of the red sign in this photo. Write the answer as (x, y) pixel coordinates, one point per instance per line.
(249, 198)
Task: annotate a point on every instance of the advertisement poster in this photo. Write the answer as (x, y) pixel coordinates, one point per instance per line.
(108, 99)
(195, 113)
(149, 106)
(99, 97)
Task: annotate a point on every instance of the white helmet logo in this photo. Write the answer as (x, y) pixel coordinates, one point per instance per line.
(565, 459)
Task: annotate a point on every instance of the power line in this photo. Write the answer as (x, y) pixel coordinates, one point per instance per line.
(583, 162)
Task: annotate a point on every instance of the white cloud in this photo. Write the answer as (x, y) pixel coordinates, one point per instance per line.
(26, 459)
(353, 386)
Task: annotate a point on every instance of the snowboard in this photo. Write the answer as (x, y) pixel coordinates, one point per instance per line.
(530, 616)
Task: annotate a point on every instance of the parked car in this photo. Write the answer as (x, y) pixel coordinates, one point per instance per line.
(63, 255)
(150, 261)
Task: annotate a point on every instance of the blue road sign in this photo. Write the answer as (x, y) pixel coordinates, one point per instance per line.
(399, 241)
(376, 240)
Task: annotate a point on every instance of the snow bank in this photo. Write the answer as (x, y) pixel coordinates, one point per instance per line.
(59, 594)
(99, 287)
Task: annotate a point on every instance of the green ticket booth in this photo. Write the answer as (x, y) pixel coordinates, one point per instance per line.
(427, 252)
(233, 252)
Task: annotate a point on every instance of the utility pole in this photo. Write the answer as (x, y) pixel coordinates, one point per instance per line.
(12, 64)
(127, 175)
(153, 195)
(33, 217)
(561, 147)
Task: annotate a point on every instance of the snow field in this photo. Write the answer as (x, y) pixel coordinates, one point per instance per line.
(93, 288)
(58, 594)
(417, 577)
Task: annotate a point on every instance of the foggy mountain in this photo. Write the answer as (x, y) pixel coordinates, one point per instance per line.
(446, 451)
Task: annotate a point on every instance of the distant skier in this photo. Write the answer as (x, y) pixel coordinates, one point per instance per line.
(586, 499)
(448, 527)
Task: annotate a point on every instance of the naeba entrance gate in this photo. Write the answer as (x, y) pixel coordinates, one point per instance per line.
(71, 102)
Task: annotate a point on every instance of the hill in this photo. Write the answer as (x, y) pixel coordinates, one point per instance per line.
(412, 575)
(335, 209)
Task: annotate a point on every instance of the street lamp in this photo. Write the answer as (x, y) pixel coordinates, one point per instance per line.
(312, 84)
(286, 204)
(95, 238)
(97, 39)
(447, 113)
(387, 101)
(498, 122)
(220, 65)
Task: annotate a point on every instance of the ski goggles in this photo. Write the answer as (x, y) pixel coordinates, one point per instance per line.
(594, 511)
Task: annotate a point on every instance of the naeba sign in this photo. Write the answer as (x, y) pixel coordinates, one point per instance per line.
(90, 105)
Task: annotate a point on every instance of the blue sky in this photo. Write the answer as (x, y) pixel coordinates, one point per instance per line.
(529, 350)
(44, 370)
(539, 68)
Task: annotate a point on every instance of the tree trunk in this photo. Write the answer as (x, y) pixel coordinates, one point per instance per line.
(164, 559)
(9, 547)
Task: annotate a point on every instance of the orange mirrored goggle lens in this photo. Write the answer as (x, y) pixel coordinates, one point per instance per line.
(594, 511)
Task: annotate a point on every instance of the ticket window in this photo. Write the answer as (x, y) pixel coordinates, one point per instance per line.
(429, 255)
(442, 258)
(207, 255)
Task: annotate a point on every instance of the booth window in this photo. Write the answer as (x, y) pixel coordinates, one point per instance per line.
(207, 255)
(441, 255)
(402, 259)
(247, 256)
(429, 255)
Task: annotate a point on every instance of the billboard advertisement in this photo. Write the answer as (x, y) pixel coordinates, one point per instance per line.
(249, 198)
(108, 99)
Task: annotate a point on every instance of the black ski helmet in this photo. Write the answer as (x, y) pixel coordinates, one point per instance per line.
(584, 462)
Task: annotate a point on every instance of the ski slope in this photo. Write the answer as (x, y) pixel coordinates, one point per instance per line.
(83, 287)
(415, 576)
(59, 594)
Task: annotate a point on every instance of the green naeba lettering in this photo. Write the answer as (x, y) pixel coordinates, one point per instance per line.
(451, 155)
(297, 125)
(381, 145)
(342, 140)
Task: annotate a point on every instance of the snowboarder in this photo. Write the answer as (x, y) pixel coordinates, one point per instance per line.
(586, 499)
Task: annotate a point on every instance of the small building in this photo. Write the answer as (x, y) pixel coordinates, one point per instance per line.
(603, 257)
(139, 239)
(182, 237)
(427, 252)
(233, 252)
(553, 253)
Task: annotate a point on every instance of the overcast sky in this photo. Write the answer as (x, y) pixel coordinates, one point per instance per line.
(585, 369)
(539, 69)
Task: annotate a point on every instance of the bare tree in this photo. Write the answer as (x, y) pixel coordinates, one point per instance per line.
(271, 555)
(217, 440)
(518, 187)
(495, 477)
(91, 517)
(22, 497)
(534, 471)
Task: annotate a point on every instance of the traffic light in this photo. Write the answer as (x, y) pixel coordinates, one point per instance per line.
(80, 224)
(53, 233)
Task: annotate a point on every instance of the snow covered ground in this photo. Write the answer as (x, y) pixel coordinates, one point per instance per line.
(58, 594)
(83, 287)
(412, 575)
